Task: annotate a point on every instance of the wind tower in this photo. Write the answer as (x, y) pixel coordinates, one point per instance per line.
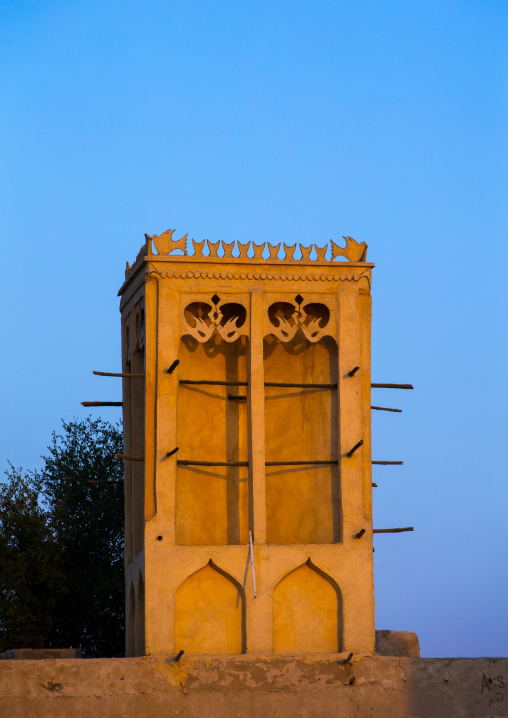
(246, 406)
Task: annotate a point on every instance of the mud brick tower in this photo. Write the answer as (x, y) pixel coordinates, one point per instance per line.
(246, 403)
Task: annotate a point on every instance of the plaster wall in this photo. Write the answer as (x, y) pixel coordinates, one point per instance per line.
(304, 519)
(249, 687)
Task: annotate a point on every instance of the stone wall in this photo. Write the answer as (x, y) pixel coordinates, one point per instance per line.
(261, 687)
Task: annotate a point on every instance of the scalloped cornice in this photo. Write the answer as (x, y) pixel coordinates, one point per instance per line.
(352, 276)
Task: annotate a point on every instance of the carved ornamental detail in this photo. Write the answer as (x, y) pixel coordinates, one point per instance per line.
(202, 320)
(289, 318)
(353, 251)
(178, 249)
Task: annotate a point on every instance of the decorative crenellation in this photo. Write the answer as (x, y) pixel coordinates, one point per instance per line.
(139, 258)
(165, 245)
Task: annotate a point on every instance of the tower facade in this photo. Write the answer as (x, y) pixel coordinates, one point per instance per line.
(246, 403)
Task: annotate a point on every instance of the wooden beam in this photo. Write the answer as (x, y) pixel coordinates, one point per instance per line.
(127, 376)
(102, 403)
(392, 531)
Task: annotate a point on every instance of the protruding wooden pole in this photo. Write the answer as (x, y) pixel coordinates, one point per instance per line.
(355, 448)
(121, 374)
(102, 403)
(392, 531)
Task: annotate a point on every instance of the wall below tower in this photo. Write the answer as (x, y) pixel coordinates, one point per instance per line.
(285, 687)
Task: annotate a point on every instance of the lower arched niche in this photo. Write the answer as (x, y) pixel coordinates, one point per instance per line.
(307, 612)
(210, 613)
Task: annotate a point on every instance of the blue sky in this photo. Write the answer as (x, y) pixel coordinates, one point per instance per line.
(296, 121)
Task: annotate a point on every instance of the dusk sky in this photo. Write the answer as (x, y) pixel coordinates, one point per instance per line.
(297, 121)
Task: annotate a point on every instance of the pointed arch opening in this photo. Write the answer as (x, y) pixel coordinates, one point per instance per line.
(212, 502)
(303, 503)
(210, 613)
(307, 612)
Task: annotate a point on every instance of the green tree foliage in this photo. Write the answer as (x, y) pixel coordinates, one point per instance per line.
(61, 546)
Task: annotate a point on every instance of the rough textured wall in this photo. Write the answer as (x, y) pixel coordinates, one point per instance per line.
(285, 687)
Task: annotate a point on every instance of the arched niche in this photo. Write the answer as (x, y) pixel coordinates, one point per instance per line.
(131, 623)
(210, 613)
(307, 612)
(140, 619)
(303, 503)
(212, 502)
